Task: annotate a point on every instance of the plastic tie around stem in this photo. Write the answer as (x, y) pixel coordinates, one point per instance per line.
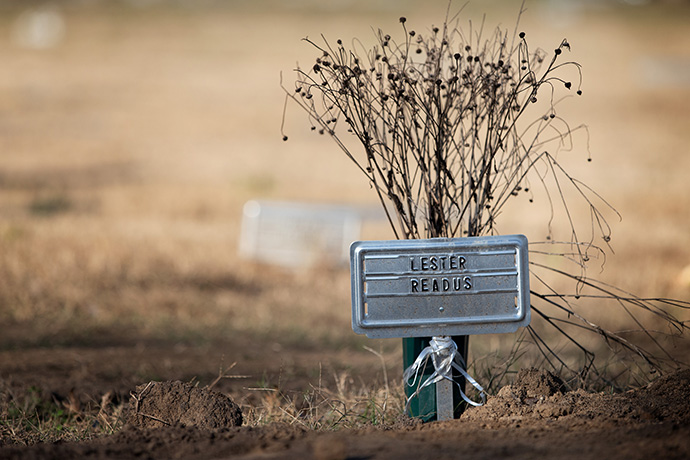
(445, 357)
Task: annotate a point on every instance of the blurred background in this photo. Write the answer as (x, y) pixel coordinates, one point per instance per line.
(132, 133)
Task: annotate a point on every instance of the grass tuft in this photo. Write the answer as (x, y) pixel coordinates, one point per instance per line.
(30, 416)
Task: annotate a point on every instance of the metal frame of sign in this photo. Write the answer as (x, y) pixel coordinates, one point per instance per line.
(440, 286)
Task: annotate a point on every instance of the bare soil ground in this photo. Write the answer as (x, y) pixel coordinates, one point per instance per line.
(126, 153)
(531, 418)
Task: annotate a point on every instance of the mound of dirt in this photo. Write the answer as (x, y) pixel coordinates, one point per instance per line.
(538, 394)
(666, 398)
(159, 404)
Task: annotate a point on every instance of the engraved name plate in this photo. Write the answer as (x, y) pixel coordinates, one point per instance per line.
(440, 286)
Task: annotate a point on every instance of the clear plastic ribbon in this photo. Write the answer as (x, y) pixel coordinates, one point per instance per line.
(445, 357)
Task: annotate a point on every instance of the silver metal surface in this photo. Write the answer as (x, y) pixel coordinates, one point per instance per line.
(440, 286)
(444, 400)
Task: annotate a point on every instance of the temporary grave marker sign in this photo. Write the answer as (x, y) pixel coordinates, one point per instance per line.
(298, 234)
(439, 288)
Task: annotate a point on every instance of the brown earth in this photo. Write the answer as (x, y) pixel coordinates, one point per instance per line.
(159, 404)
(532, 418)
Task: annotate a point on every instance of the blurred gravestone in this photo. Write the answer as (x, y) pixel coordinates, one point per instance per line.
(298, 234)
(38, 28)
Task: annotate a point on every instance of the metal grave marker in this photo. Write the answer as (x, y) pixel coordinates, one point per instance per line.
(298, 234)
(440, 286)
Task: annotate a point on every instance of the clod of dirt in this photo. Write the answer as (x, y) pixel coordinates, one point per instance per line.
(535, 383)
(159, 404)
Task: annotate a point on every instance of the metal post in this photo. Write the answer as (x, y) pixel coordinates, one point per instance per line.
(444, 400)
(425, 406)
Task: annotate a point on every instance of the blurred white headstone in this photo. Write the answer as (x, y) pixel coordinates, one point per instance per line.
(39, 28)
(298, 234)
(662, 72)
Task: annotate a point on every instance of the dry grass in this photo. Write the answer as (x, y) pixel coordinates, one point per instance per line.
(32, 416)
(343, 403)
